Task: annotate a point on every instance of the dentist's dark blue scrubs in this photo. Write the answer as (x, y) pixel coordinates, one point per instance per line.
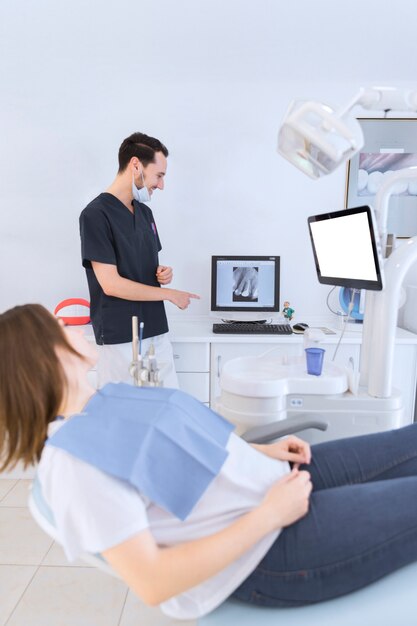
(111, 234)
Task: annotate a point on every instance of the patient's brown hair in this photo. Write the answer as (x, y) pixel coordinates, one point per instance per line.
(32, 381)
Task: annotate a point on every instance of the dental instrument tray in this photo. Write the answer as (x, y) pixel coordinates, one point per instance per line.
(252, 328)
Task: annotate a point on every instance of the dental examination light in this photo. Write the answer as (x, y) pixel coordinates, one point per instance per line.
(317, 139)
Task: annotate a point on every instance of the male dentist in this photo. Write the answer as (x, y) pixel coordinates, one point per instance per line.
(120, 246)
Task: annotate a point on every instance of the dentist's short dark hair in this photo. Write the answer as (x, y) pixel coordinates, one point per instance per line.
(141, 146)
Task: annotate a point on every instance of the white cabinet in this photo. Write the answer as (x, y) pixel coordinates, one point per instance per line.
(192, 364)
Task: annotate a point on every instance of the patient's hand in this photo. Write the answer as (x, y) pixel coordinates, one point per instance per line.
(289, 449)
(288, 499)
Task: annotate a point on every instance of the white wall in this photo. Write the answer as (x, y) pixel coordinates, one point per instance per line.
(212, 80)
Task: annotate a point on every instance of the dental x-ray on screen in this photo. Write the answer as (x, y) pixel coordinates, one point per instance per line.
(245, 283)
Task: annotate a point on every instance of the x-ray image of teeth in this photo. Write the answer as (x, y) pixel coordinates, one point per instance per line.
(374, 167)
(245, 284)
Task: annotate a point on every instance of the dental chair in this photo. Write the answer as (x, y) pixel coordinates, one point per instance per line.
(391, 601)
(388, 602)
(42, 514)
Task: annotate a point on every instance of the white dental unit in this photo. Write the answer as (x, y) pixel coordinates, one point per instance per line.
(257, 391)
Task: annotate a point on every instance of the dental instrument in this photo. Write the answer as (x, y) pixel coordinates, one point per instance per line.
(152, 365)
(135, 338)
(145, 372)
(136, 365)
(141, 326)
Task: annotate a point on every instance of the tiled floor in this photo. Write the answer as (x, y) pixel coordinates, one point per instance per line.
(38, 587)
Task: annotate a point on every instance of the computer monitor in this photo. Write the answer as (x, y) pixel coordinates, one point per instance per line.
(345, 249)
(245, 287)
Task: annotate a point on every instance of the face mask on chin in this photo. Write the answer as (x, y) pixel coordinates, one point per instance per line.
(142, 194)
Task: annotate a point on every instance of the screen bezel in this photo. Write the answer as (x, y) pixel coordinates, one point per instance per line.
(243, 309)
(353, 283)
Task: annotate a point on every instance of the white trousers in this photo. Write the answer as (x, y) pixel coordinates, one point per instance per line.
(114, 361)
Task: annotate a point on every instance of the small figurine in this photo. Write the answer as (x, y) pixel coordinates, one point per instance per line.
(288, 311)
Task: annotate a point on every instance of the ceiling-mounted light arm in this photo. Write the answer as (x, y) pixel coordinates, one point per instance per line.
(368, 97)
(381, 99)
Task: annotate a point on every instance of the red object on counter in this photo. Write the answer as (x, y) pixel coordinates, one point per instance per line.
(72, 320)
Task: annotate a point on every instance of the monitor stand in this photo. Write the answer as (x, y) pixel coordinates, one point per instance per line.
(255, 317)
(237, 322)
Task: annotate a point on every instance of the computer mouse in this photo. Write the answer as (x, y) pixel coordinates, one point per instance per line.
(300, 327)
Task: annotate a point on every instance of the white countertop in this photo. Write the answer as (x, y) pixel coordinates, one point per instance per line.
(199, 329)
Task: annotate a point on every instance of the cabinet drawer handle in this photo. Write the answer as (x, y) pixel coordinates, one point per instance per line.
(219, 360)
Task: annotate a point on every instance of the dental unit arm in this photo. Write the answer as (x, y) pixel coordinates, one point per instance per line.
(268, 432)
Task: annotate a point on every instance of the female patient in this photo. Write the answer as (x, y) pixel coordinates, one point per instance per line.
(185, 511)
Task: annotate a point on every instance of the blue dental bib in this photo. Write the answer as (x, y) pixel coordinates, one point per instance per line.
(165, 443)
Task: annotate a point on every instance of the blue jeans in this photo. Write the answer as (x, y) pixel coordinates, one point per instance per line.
(361, 525)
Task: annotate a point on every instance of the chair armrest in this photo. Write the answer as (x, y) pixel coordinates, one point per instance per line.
(269, 432)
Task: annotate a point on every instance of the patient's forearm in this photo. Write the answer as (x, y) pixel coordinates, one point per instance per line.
(189, 564)
(166, 572)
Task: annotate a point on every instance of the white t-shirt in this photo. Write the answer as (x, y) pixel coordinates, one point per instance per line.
(94, 511)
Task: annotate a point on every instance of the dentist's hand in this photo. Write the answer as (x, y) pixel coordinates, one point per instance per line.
(164, 274)
(181, 299)
(288, 500)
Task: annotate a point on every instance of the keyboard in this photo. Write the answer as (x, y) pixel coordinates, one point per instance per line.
(253, 329)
